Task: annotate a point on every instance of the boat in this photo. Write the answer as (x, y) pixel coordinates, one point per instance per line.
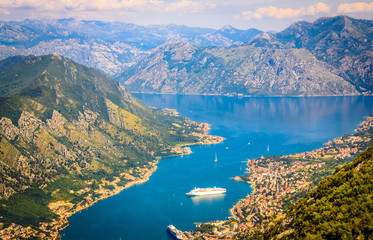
(216, 158)
(206, 191)
(174, 232)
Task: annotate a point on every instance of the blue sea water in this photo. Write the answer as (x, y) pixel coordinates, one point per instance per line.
(252, 127)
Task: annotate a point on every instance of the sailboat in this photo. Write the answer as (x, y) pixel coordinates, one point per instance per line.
(216, 158)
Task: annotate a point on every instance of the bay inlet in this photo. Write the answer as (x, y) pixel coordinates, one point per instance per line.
(252, 127)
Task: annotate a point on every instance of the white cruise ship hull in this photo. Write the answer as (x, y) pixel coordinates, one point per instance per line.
(176, 234)
(206, 191)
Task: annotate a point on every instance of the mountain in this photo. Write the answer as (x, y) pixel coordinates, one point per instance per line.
(341, 41)
(64, 127)
(332, 56)
(107, 46)
(340, 207)
(69, 37)
(11, 62)
(238, 36)
(183, 68)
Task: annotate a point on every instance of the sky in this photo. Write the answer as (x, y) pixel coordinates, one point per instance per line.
(266, 15)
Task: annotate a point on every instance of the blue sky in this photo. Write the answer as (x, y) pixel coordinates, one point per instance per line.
(243, 14)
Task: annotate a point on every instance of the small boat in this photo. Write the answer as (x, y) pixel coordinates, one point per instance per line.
(216, 158)
(174, 232)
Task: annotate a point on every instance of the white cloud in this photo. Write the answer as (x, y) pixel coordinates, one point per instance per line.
(187, 5)
(355, 7)
(4, 12)
(274, 12)
(106, 5)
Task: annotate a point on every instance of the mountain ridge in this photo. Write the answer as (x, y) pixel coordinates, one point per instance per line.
(70, 134)
(107, 46)
(182, 68)
(336, 49)
(343, 42)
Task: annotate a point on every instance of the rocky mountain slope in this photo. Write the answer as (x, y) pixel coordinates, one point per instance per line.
(107, 46)
(307, 59)
(60, 118)
(342, 47)
(253, 70)
(341, 41)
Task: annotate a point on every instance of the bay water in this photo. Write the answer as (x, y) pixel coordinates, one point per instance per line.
(253, 127)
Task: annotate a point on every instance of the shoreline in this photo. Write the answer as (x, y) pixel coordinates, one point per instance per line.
(241, 95)
(275, 187)
(245, 218)
(66, 209)
(148, 173)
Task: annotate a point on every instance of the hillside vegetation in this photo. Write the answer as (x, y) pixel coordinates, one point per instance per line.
(340, 207)
(67, 130)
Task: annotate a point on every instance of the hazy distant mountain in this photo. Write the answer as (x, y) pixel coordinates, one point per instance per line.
(107, 46)
(237, 35)
(320, 58)
(342, 45)
(184, 68)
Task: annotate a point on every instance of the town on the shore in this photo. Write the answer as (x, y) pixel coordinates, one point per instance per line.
(279, 181)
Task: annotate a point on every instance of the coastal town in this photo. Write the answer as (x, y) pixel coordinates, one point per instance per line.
(279, 181)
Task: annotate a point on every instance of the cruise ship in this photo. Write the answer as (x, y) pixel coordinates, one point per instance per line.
(206, 191)
(174, 232)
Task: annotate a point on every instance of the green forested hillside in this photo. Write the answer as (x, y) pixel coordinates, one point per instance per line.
(67, 130)
(341, 207)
